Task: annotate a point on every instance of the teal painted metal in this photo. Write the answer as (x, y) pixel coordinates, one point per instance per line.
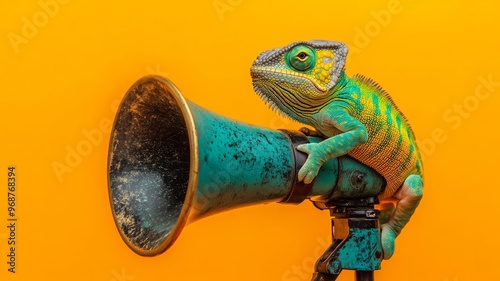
(346, 178)
(359, 252)
(356, 181)
(240, 164)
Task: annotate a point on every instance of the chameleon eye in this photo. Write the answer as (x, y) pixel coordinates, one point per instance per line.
(301, 58)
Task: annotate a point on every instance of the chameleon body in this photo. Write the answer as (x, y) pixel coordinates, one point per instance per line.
(306, 82)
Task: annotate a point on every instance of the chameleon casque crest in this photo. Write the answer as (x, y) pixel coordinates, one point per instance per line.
(306, 81)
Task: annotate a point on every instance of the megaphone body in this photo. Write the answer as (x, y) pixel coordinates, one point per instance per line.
(172, 162)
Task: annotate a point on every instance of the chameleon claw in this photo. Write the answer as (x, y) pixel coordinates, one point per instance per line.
(306, 175)
(301, 175)
(388, 238)
(309, 177)
(306, 148)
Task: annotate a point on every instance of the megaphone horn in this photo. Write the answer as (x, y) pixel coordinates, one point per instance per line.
(172, 162)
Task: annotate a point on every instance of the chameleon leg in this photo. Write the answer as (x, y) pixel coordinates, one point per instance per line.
(352, 134)
(409, 196)
(386, 210)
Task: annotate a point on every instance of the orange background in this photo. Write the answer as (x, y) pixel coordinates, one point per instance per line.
(65, 65)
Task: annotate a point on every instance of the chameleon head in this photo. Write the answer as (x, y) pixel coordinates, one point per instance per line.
(298, 78)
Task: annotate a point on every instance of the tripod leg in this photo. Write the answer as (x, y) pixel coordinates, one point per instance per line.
(322, 272)
(364, 275)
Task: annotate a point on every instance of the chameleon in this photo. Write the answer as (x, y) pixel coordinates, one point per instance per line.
(306, 81)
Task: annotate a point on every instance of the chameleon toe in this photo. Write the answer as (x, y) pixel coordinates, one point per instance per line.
(388, 238)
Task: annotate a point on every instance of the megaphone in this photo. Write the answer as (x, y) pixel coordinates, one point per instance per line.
(172, 162)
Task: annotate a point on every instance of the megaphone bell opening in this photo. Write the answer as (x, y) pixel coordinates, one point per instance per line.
(151, 181)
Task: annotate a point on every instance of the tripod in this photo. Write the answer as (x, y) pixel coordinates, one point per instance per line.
(356, 240)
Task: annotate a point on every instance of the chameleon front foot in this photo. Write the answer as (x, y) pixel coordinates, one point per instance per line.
(317, 156)
(388, 240)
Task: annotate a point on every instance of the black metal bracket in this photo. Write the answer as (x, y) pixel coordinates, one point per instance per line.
(356, 240)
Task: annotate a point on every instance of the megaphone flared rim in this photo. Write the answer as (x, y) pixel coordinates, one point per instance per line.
(167, 241)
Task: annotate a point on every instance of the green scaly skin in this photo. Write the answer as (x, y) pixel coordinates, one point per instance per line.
(306, 82)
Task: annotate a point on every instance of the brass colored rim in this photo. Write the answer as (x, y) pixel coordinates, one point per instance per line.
(193, 168)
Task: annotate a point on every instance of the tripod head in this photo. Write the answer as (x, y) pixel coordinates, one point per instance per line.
(356, 240)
